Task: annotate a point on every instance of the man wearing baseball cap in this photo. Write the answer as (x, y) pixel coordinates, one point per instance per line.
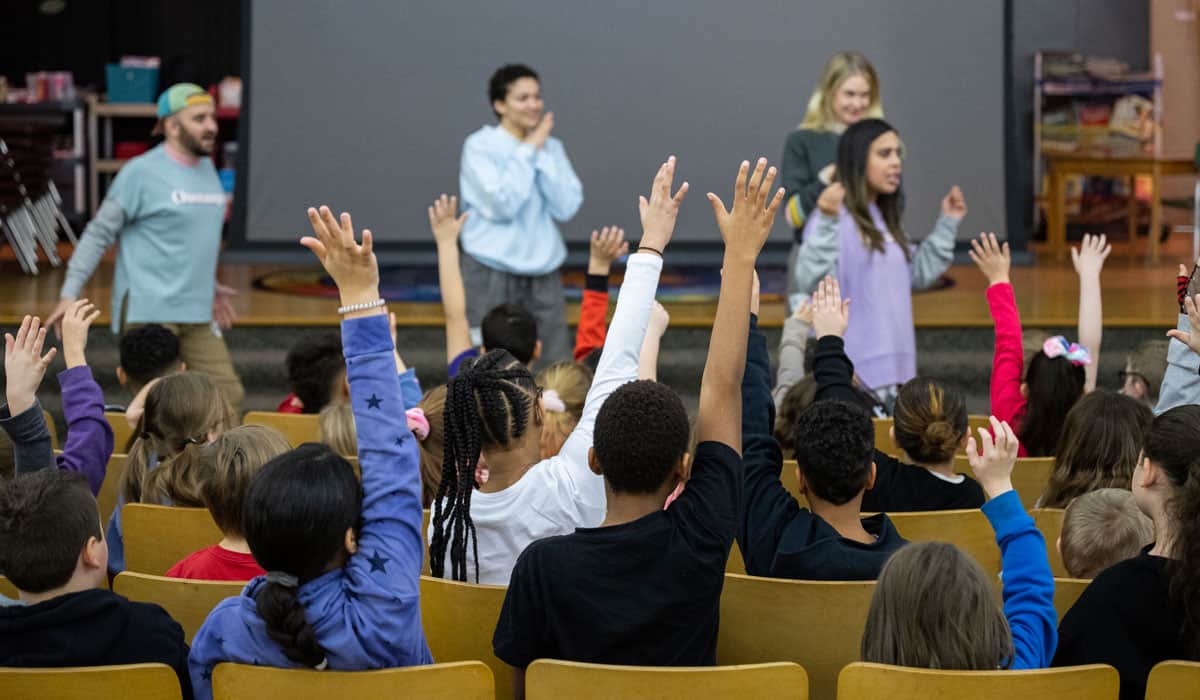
(167, 207)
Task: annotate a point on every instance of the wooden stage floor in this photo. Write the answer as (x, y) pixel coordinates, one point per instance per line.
(1135, 295)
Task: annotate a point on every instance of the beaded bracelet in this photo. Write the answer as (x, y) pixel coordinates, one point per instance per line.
(351, 308)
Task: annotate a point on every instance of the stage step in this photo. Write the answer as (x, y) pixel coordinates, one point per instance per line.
(960, 357)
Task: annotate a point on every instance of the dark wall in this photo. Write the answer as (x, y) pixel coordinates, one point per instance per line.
(198, 41)
(1111, 28)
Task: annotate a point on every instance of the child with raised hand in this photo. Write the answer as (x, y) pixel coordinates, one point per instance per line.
(1147, 609)
(594, 594)
(1181, 381)
(930, 425)
(833, 443)
(1088, 260)
(492, 410)
(934, 607)
(342, 560)
(1034, 400)
(607, 245)
(89, 442)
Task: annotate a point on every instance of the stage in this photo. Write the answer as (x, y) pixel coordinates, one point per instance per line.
(1136, 295)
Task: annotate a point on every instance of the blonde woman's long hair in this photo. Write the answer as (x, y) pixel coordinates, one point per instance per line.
(569, 381)
(819, 115)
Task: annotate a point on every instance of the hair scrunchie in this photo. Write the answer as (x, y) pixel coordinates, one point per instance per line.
(1074, 352)
(552, 402)
(417, 423)
(283, 579)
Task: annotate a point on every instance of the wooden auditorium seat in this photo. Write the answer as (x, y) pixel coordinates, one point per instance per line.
(463, 680)
(866, 681)
(157, 537)
(188, 601)
(547, 679)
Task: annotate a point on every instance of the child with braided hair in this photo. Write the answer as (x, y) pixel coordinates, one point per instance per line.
(492, 410)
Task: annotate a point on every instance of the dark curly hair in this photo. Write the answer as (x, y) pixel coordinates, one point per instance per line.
(504, 77)
(147, 353)
(510, 327)
(641, 433)
(835, 443)
(313, 364)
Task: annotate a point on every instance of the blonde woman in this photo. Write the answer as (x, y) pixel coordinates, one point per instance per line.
(847, 92)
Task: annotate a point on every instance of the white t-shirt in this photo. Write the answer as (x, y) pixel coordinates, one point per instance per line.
(561, 493)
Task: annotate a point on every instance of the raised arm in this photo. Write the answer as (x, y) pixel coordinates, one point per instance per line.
(648, 358)
(89, 441)
(792, 344)
(607, 245)
(1181, 382)
(744, 229)
(832, 368)
(384, 572)
(21, 418)
(619, 361)
(1008, 358)
(934, 254)
(1088, 259)
(446, 228)
(819, 252)
(1028, 582)
(557, 181)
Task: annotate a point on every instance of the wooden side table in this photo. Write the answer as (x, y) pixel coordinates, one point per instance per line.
(1060, 165)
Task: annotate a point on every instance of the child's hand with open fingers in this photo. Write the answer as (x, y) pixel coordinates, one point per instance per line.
(24, 364)
(831, 314)
(445, 221)
(659, 212)
(993, 467)
(745, 227)
(75, 325)
(607, 245)
(1191, 306)
(1089, 257)
(993, 259)
(352, 265)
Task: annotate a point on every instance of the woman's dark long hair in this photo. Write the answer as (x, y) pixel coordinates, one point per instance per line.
(1098, 446)
(854, 149)
(1174, 446)
(489, 402)
(296, 514)
(1054, 385)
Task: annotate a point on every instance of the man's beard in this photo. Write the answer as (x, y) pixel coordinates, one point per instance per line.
(194, 145)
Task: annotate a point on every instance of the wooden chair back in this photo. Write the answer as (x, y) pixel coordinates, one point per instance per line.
(1066, 592)
(968, 529)
(866, 681)
(549, 680)
(122, 433)
(188, 601)
(1174, 680)
(128, 682)
(298, 428)
(7, 589)
(459, 621)
(468, 680)
(817, 624)
(1030, 476)
(1049, 521)
(52, 429)
(157, 537)
(110, 489)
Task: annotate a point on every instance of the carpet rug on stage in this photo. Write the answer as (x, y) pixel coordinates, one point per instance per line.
(420, 284)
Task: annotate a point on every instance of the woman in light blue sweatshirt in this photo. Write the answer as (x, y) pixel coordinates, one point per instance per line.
(343, 563)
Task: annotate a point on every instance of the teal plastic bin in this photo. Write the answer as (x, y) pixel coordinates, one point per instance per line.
(131, 84)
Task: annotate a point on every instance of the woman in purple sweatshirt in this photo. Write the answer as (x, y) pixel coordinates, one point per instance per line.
(89, 441)
(863, 245)
(343, 564)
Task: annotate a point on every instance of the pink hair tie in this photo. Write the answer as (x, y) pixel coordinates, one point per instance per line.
(1073, 352)
(552, 403)
(417, 423)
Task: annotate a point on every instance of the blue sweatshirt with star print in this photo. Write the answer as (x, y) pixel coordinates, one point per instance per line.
(366, 614)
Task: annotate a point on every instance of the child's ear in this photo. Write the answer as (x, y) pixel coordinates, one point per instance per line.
(351, 541)
(1024, 390)
(537, 352)
(593, 463)
(1150, 473)
(94, 555)
(801, 486)
(122, 378)
(683, 468)
(1058, 546)
(871, 478)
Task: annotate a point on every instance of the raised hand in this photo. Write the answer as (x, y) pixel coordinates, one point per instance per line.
(223, 311)
(830, 313)
(1191, 306)
(830, 200)
(954, 203)
(24, 364)
(1089, 257)
(607, 245)
(993, 467)
(992, 258)
(659, 321)
(352, 265)
(446, 226)
(745, 227)
(755, 294)
(538, 134)
(75, 325)
(660, 210)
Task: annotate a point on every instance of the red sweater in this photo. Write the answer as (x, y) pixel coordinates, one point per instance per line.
(593, 316)
(216, 563)
(1008, 360)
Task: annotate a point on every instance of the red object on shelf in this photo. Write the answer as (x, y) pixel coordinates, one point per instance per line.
(129, 149)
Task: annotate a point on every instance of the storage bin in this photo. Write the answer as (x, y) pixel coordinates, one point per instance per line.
(131, 84)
